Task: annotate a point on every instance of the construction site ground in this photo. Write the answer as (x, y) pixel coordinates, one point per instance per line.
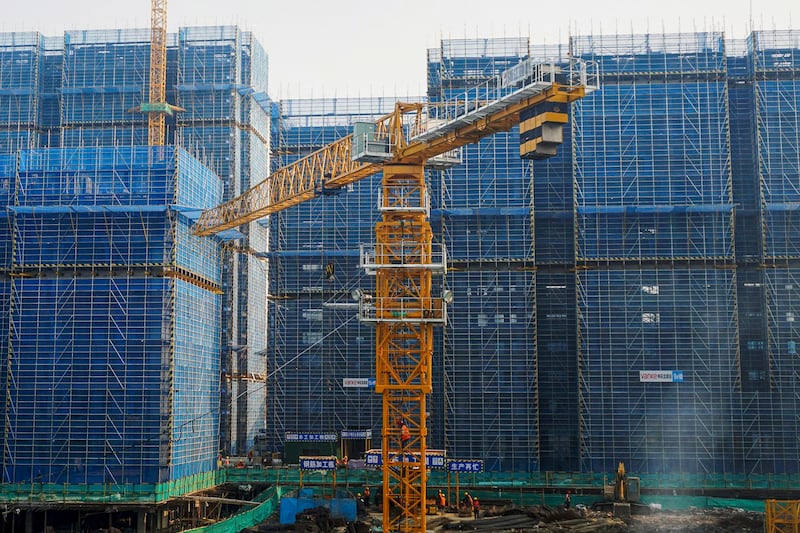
(543, 519)
(548, 519)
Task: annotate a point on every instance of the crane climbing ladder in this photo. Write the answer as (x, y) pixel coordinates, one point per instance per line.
(404, 258)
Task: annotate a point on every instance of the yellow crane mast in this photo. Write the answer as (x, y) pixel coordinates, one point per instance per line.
(404, 257)
(157, 108)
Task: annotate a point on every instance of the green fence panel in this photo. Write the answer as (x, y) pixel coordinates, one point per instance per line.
(248, 518)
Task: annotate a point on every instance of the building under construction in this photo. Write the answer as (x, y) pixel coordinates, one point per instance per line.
(132, 351)
(630, 299)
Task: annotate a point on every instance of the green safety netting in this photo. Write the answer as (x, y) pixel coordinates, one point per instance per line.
(247, 518)
(515, 486)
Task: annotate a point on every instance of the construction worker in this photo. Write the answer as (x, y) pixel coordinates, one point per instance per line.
(441, 501)
(567, 500)
(366, 496)
(476, 507)
(405, 435)
(467, 501)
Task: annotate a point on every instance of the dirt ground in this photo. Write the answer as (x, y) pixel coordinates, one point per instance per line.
(699, 521)
(542, 519)
(545, 519)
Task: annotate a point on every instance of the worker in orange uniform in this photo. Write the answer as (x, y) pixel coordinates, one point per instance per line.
(405, 435)
(466, 501)
(476, 507)
(441, 501)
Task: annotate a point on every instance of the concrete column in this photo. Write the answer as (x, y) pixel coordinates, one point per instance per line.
(141, 521)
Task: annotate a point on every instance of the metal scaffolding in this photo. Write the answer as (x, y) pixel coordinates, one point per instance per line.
(486, 406)
(111, 210)
(630, 299)
(113, 343)
(322, 358)
(635, 252)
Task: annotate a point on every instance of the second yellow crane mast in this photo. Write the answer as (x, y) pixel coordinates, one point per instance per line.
(157, 107)
(158, 70)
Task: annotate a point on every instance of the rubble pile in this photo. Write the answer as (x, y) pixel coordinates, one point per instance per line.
(583, 520)
(540, 519)
(543, 519)
(700, 521)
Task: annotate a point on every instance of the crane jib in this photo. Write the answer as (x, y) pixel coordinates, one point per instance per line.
(412, 134)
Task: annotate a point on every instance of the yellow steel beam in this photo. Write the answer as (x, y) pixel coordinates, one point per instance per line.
(332, 167)
(782, 516)
(293, 184)
(404, 348)
(158, 70)
(500, 121)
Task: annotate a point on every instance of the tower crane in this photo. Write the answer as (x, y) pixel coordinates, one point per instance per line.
(157, 108)
(404, 257)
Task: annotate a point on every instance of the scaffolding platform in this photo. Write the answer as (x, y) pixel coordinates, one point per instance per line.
(402, 310)
(406, 255)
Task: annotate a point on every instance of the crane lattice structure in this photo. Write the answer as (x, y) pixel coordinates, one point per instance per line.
(157, 108)
(404, 257)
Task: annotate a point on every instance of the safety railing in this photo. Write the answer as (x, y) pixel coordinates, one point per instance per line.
(404, 255)
(521, 81)
(411, 310)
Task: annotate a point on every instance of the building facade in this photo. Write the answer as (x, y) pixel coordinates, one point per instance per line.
(132, 353)
(627, 300)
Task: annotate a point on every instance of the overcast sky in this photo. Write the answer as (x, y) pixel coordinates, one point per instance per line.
(339, 48)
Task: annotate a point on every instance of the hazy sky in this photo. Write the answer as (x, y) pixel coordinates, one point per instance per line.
(339, 48)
